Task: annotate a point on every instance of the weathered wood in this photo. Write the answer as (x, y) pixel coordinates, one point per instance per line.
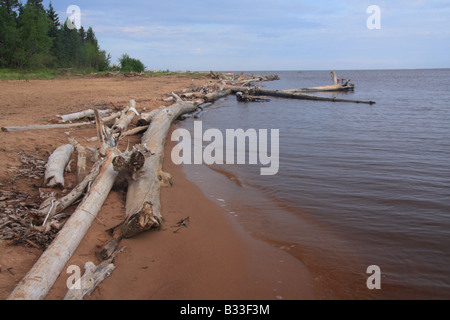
(109, 249)
(336, 86)
(147, 117)
(248, 98)
(143, 207)
(92, 277)
(131, 132)
(213, 96)
(57, 162)
(82, 159)
(45, 127)
(125, 120)
(38, 281)
(283, 94)
(53, 206)
(81, 115)
(114, 115)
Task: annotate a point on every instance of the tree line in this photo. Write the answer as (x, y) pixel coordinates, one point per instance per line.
(32, 37)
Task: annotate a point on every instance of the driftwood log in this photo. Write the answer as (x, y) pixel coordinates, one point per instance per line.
(343, 85)
(57, 162)
(45, 127)
(53, 206)
(143, 207)
(257, 91)
(126, 118)
(82, 159)
(241, 97)
(92, 277)
(81, 115)
(38, 281)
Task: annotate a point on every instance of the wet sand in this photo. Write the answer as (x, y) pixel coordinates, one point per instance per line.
(211, 258)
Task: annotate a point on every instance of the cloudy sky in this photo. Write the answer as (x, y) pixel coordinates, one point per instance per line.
(261, 35)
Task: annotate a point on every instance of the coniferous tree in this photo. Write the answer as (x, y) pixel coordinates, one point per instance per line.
(53, 33)
(9, 34)
(32, 37)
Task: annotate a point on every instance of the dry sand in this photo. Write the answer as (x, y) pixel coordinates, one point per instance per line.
(211, 258)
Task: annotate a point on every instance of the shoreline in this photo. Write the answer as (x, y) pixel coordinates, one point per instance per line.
(211, 258)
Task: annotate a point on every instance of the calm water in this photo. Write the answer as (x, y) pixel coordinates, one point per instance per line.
(358, 184)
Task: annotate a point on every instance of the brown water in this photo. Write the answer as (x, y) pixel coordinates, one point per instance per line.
(358, 185)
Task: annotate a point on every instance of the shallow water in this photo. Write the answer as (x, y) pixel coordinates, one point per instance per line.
(358, 184)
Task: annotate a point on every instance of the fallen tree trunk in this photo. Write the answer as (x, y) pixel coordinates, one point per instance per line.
(125, 120)
(57, 162)
(147, 117)
(143, 207)
(45, 127)
(256, 91)
(82, 160)
(213, 96)
(248, 98)
(50, 208)
(38, 281)
(92, 277)
(131, 132)
(81, 115)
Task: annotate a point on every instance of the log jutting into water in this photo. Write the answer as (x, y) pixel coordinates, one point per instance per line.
(343, 85)
(256, 91)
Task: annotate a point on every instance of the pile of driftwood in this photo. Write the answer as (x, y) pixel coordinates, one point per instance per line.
(245, 90)
(140, 166)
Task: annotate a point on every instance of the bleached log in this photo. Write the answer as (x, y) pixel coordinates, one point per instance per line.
(49, 209)
(336, 86)
(38, 281)
(45, 127)
(82, 159)
(81, 115)
(143, 207)
(334, 77)
(283, 94)
(125, 120)
(192, 95)
(213, 96)
(114, 115)
(146, 118)
(92, 277)
(54, 172)
(131, 132)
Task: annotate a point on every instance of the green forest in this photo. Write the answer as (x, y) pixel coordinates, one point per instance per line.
(33, 37)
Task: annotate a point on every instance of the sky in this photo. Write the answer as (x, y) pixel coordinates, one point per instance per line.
(257, 35)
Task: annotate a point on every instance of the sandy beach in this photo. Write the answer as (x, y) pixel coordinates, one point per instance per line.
(209, 258)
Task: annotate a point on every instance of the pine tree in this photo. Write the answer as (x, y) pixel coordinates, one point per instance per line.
(53, 33)
(34, 35)
(9, 36)
(10, 6)
(36, 4)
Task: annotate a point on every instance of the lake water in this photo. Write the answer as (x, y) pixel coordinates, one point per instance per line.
(358, 184)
